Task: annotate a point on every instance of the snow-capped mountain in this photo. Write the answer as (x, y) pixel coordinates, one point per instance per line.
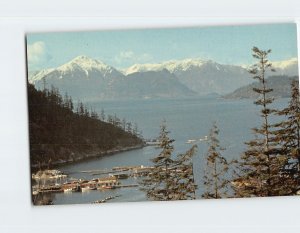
(287, 67)
(89, 79)
(83, 78)
(172, 66)
(86, 64)
(211, 77)
(81, 64)
(36, 76)
(201, 76)
(207, 76)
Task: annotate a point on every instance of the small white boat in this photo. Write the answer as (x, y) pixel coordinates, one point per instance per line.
(86, 189)
(108, 186)
(203, 139)
(68, 190)
(190, 141)
(153, 142)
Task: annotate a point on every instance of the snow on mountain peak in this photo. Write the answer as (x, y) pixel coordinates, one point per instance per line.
(286, 63)
(86, 64)
(81, 63)
(185, 64)
(171, 66)
(142, 68)
(39, 75)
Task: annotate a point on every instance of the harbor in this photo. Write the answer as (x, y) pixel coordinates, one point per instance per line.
(55, 181)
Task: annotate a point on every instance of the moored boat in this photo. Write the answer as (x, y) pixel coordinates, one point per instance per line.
(48, 175)
(153, 142)
(67, 190)
(190, 141)
(108, 186)
(87, 188)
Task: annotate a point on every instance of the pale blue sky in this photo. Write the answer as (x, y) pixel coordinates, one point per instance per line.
(123, 48)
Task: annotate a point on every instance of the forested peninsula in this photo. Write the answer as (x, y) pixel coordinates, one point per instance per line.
(60, 132)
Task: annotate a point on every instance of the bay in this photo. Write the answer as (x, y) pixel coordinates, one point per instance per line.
(186, 119)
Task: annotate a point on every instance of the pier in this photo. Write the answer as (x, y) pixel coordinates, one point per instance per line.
(79, 185)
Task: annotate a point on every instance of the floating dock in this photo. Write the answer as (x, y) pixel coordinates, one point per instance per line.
(102, 183)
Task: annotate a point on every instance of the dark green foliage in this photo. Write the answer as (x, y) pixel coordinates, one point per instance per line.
(182, 177)
(171, 178)
(262, 162)
(102, 115)
(217, 166)
(57, 133)
(289, 137)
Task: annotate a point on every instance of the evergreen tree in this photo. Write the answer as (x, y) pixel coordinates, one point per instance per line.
(102, 115)
(171, 179)
(86, 112)
(81, 109)
(44, 84)
(66, 101)
(215, 182)
(289, 137)
(261, 163)
(129, 127)
(71, 105)
(56, 132)
(184, 181)
(110, 119)
(135, 129)
(124, 123)
(94, 114)
(116, 121)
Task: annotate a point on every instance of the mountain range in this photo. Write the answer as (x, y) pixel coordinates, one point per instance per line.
(88, 79)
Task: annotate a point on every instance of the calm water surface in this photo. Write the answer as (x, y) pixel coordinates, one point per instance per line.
(186, 119)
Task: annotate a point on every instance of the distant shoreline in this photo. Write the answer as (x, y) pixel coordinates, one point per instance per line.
(87, 156)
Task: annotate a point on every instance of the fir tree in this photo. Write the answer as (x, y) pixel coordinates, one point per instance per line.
(71, 105)
(44, 84)
(94, 114)
(102, 115)
(110, 119)
(184, 177)
(216, 167)
(81, 109)
(289, 137)
(56, 132)
(86, 112)
(171, 179)
(135, 130)
(116, 121)
(66, 101)
(129, 127)
(261, 163)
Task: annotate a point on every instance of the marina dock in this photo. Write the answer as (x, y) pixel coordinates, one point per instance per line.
(79, 185)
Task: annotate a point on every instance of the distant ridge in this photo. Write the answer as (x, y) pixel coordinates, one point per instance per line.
(281, 86)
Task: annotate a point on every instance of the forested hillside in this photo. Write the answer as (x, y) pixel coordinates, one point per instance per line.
(60, 132)
(280, 84)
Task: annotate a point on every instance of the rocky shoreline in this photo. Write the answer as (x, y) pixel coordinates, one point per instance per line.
(86, 156)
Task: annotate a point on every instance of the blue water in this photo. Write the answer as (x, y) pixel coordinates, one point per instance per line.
(186, 119)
